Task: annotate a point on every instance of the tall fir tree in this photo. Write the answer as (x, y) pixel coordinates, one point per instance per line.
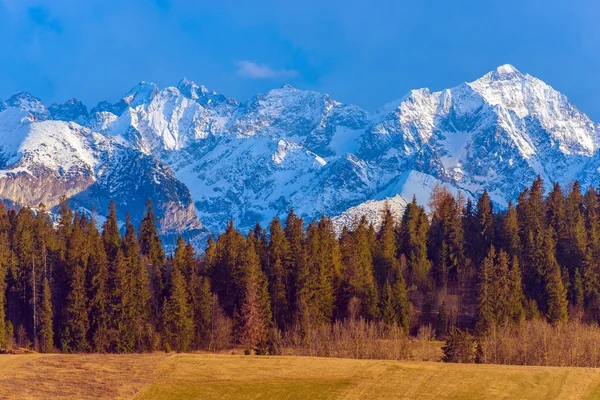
(154, 256)
(46, 315)
(178, 322)
(485, 301)
(278, 260)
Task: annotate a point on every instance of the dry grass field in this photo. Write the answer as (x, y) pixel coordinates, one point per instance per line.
(210, 376)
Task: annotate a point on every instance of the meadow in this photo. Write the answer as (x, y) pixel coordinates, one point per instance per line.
(223, 376)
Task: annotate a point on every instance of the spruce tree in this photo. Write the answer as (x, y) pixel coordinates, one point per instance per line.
(98, 292)
(555, 293)
(485, 224)
(154, 255)
(388, 311)
(385, 260)
(277, 272)
(140, 284)
(202, 311)
(509, 232)
(110, 233)
(294, 234)
(516, 296)
(255, 312)
(178, 323)
(413, 240)
(401, 304)
(46, 340)
(75, 336)
(485, 302)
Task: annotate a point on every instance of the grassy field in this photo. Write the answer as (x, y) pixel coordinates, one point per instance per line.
(207, 376)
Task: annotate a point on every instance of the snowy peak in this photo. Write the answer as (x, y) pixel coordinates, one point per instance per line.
(143, 93)
(191, 90)
(504, 73)
(70, 110)
(29, 103)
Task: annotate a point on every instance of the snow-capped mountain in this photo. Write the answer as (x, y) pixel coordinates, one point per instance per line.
(205, 157)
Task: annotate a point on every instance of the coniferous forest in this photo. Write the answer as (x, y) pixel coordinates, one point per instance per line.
(464, 271)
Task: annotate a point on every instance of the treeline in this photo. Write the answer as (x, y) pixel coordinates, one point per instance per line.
(70, 286)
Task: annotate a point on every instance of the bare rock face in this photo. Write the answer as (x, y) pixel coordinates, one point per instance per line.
(176, 218)
(24, 189)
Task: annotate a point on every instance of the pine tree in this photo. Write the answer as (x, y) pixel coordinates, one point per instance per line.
(226, 275)
(255, 312)
(277, 272)
(178, 323)
(294, 234)
(98, 292)
(516, 296)
(485, 309)
(153, 254)
(413, 240)
(446, 236)
(140, 284)
(110, 233)
(122, 305)
(46, 329)
(75, 335)
(401, 304)
(485, 224)
(388, 311)
(556, 295)
(500, 289)
(202, 311)
(359, 280)
(385, 260)
(509, 232)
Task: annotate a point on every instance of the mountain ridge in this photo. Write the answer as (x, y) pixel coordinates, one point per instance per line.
(290, 148)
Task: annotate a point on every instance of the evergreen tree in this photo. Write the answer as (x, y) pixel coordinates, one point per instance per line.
(446, 236)
(110, 233)
(153, 254)
(485, 308)
(388, 311)
(255, 313)
(294, 234)
(201, 311)
(556, 295)
(516, 296)
(46, 330)
(178, 323)
(277, 272)
(485, 225)
(401, 304)
(413, 240)
(509, 232)
(98, 292)
(75, 337)
(140, 285)
(122, 305)
(385, 260)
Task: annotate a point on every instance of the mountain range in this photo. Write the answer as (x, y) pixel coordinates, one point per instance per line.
(204, 158)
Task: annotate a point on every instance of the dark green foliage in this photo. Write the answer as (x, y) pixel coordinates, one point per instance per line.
(178, 323)
(460, 347)
(72, 287)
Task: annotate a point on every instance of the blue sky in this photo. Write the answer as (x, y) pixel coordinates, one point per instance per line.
(366, 53)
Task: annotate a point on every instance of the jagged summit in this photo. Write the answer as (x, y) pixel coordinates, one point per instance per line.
(29, 103)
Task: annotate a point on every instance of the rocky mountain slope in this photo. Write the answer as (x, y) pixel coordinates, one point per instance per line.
(202, 156)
